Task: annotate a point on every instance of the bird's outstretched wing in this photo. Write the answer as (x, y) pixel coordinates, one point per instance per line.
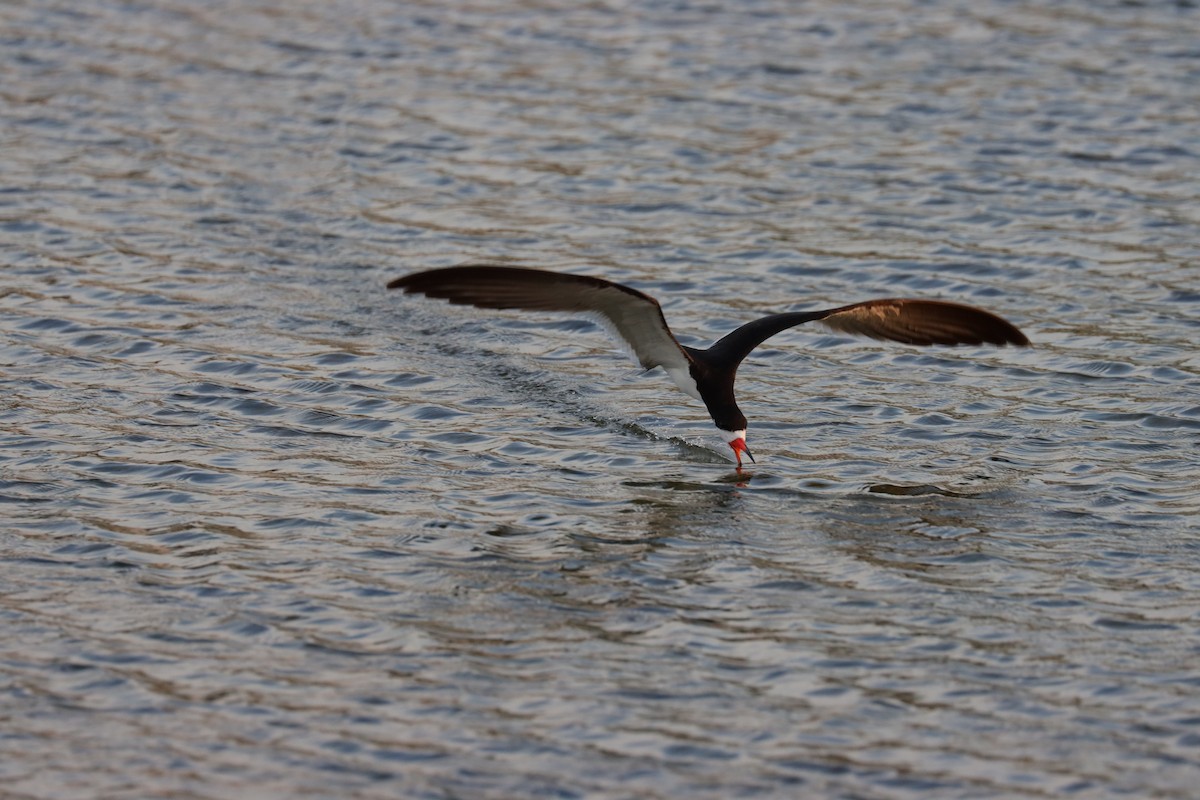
(635, 318)
(919, 322)
(923, 322)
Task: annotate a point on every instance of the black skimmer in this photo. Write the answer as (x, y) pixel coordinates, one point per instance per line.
(707, 375)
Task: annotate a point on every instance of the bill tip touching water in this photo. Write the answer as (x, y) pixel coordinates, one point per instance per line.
(708, 375)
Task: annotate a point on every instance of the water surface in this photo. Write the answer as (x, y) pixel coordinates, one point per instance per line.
(274, 532)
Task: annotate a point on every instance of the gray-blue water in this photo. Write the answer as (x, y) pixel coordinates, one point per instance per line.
(271, 531)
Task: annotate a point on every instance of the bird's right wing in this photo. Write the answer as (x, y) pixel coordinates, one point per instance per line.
(636, 319)
(923, 322)
(919, 322)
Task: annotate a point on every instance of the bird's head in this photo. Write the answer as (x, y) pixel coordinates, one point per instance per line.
(738, 443)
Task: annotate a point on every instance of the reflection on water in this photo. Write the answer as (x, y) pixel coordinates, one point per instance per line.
(270, 529)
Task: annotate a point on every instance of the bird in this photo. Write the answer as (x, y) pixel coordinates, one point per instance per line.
(636, 320)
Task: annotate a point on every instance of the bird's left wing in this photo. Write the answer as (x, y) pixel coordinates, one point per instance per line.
(633, 317)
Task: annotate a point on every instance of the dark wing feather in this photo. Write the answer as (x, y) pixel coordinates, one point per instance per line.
(923, 322)
(634, 317)
(919, 322)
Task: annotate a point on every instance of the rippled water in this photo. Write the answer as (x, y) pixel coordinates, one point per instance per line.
(275, 532)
